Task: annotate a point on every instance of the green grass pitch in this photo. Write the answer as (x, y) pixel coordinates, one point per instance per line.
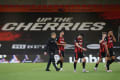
(36, 71)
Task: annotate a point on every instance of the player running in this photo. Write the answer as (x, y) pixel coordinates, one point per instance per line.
(51, 47)
(110, 39)
(79, 52)
(103, 52)
(61, 43)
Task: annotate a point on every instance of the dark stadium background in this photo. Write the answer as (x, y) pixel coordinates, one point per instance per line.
(80, 10)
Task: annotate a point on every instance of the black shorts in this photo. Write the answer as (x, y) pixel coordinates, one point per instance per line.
(111, 52)
(78, 55)
(102, 54)
(61, 54)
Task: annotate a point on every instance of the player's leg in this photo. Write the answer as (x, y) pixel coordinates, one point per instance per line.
(84, 64)
(75, 65)
(112, 55)
(61, 64)
(111, 60)
(62, 59)
(81, 55)
(59, 61)
(100, 58)
(106, 59)
(96, 65)
(53, 61)
(75, 62)
(48, 65)
(108, 64)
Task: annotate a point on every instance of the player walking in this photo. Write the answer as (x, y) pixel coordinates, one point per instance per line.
(79, 52)
(61, 43)
(103, 52)
(110, 39)
(51, 47)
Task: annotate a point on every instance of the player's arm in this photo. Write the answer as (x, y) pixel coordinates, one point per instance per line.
(103, 38)
(46, 48)
(84, 49)
(59, 44)
(114, 39)
(101, 41)
(57, 48)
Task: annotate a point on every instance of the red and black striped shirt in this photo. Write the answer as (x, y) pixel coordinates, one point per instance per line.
(102, 46)
(110, 42)
(60, 40)
(80, 43)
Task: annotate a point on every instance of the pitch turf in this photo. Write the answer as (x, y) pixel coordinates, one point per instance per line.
(31, 71)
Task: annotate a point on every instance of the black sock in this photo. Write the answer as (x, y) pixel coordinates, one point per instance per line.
(96, 65)
(108, 64)
(58, 62)
(75, 65)
(61, 64)
(55, 66)
(83, 64)
(111, 61)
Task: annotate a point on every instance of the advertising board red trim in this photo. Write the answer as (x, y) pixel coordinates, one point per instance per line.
(59, 8)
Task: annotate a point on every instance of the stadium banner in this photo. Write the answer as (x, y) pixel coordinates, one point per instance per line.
(23, 35)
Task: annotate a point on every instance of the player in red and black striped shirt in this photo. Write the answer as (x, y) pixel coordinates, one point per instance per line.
(111, 58)
(103, 52)
(61, 43)
(79, 52)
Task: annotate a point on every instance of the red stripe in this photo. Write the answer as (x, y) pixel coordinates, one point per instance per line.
(58, 8)
(100, 54)
(76, 55)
